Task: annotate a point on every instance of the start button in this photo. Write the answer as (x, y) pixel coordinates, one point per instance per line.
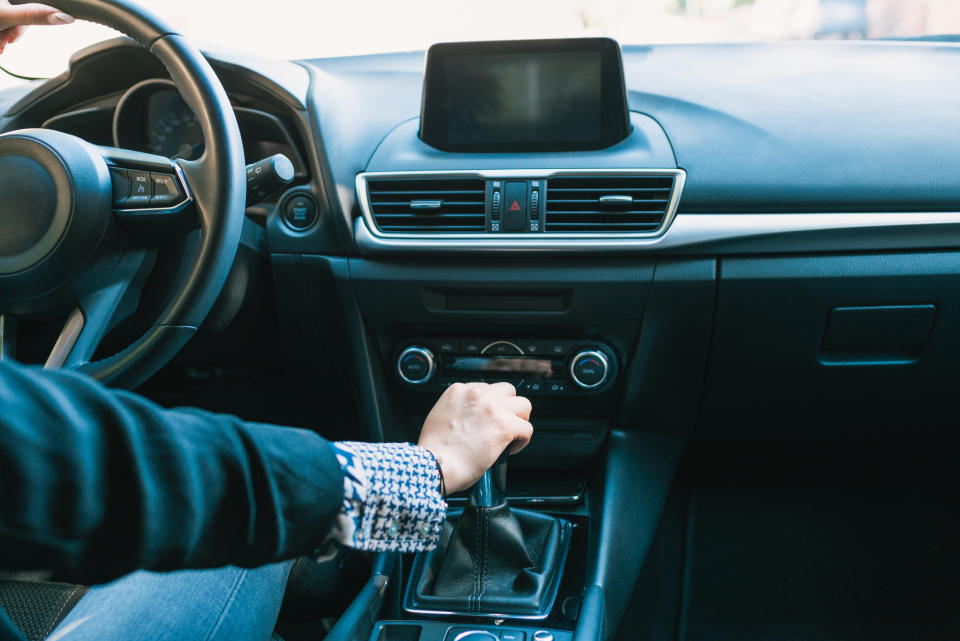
(300, 211)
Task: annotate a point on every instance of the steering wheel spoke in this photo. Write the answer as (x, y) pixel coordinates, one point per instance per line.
(152, 199)
(99, 311)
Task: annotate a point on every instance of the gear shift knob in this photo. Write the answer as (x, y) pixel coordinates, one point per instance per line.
(491, 489)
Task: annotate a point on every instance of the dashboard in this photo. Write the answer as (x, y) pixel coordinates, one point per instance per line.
(769, 251)
(741, 164)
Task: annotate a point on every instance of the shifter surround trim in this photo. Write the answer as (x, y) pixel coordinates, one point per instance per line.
(416, 570)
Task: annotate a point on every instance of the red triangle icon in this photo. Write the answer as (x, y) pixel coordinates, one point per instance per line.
(515, 206)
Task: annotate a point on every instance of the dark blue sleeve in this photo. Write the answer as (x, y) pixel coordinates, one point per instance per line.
(95, 483)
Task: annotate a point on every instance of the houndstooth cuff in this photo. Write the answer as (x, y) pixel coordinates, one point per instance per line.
(391, 498)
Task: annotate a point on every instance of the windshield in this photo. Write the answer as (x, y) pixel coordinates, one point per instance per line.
(309, 29)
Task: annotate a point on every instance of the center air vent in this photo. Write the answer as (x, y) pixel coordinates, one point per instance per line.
(431, 205)
(628, 204)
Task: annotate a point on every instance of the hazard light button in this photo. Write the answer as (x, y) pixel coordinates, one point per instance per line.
(515, 206)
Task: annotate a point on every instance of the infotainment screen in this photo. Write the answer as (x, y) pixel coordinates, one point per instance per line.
(525, 95)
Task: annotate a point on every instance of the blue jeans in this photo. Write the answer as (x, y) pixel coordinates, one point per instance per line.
(203, 605)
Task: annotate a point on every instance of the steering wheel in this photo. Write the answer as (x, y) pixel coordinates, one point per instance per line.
(80, 224)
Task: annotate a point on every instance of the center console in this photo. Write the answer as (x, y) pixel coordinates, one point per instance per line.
(502, 244)
(627, 341)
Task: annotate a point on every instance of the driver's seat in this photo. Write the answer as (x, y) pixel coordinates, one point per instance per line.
(36, 607)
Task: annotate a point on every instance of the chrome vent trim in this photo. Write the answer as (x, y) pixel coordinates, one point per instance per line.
(366, 179)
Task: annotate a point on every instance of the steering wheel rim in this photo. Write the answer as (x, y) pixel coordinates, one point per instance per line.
(216, 180)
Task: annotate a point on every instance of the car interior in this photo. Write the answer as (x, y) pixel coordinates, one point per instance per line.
(726, 275)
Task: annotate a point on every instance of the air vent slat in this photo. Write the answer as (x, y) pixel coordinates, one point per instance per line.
(573, 204)
(601, 212)
(446, 202)
(445, 192)
(581, 201)
(610, 188)
(574, 227)
(408, 214)
(461, 205)
(587, 217)
(434, 228)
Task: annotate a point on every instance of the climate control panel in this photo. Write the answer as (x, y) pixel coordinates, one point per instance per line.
(537, 367)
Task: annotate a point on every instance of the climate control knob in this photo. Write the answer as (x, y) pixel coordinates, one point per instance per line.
(589, 369)
(416, 365)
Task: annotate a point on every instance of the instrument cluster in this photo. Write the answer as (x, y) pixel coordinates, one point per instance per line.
(152, 117)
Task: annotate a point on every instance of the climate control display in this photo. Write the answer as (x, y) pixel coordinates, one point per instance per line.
(537, 367)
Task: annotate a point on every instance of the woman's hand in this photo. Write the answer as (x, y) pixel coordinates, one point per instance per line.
(14, 19)
(471, 425)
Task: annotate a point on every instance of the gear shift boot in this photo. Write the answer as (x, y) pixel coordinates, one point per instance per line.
(494, 561)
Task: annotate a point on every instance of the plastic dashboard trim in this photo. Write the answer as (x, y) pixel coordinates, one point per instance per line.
(712, 234)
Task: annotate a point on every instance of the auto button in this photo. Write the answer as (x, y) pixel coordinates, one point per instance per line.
(416, 365)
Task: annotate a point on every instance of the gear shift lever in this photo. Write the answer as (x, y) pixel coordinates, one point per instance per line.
(491, 489)
(496, 560)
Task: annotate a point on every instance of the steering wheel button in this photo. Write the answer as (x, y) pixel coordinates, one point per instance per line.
(140, 183)
(121, 185)
(137, 201)
(166, 191)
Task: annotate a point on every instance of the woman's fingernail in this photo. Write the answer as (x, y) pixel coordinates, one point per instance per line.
(61, 18)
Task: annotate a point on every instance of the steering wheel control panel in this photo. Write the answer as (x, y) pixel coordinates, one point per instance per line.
(536, 367)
